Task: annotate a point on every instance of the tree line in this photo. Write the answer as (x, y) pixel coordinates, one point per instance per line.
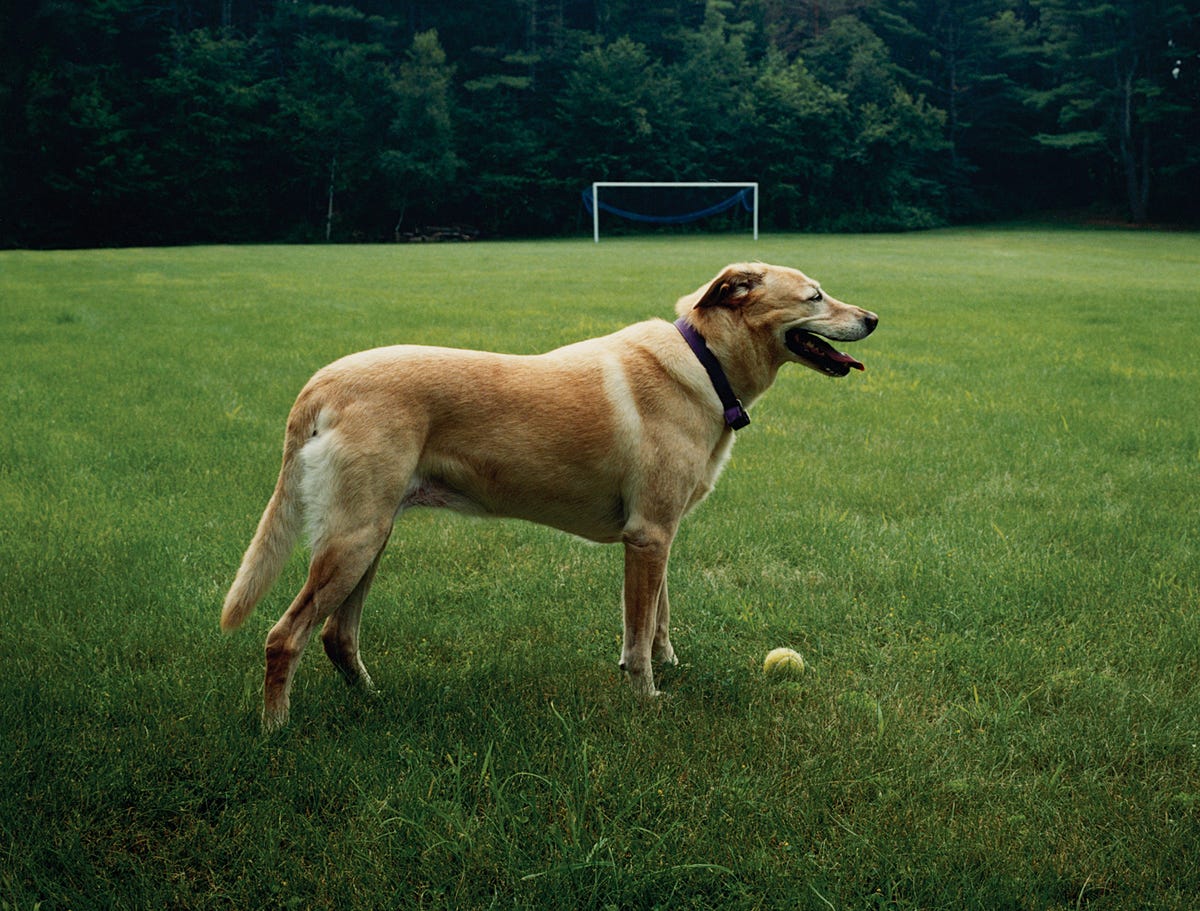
(178, 121)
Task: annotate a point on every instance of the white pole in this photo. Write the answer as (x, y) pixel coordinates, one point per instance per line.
(756, 211)
(595, 214)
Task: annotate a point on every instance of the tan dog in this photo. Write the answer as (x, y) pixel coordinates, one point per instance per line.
(611, 439)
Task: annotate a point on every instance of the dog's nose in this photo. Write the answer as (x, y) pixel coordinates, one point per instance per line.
(871, 321)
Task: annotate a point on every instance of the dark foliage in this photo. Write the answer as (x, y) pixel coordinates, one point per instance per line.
(127, 122)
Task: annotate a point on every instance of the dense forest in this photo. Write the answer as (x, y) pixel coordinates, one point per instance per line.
(177, 121)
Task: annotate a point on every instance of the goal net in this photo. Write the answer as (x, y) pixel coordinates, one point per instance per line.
(668, 203)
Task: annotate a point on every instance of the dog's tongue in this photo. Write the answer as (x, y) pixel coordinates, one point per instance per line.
(820, 355)
(846, 359)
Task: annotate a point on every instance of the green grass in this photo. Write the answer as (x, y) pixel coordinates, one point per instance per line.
(985, 547)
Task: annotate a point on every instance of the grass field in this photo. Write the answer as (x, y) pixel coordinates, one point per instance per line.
(986, 547)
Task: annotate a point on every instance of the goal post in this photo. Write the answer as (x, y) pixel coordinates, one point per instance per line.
(598, 185)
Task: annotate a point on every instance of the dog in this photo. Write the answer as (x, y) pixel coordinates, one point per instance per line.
(613, 439)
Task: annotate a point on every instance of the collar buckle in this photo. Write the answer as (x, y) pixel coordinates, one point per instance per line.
(736, 416)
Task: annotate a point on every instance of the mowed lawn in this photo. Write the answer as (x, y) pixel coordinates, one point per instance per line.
(987, 547)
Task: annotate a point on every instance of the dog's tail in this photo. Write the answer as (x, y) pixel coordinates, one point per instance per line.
(272, 543)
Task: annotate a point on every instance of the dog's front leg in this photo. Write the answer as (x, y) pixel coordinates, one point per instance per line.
(646, 555)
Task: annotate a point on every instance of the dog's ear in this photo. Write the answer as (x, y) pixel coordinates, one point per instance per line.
(730, 288)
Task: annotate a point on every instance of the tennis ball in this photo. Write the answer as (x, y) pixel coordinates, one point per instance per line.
(783, 662)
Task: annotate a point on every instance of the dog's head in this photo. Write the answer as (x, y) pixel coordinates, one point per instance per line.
(787, 315)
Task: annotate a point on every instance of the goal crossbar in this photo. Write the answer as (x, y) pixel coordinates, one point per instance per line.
(599, 184)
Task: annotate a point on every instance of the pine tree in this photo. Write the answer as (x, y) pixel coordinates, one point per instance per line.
(1111, 64)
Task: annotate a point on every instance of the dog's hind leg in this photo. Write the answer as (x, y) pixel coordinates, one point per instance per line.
(663, 652)
(339, 565)
(340, 633)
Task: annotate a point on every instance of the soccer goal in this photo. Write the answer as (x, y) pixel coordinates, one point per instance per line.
(746, 196)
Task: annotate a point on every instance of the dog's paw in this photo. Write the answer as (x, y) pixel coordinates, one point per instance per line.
(666, 656)
(642, 684)
(274, 720)
(366, 684)
(653, 702)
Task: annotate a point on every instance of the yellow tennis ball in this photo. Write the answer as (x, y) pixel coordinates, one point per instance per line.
(783, 662)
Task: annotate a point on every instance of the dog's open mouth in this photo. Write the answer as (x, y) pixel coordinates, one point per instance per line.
(819, 354)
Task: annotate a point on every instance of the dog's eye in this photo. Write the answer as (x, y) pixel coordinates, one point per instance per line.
(817, 296)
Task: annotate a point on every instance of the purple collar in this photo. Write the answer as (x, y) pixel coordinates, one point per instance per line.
(735, 415)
